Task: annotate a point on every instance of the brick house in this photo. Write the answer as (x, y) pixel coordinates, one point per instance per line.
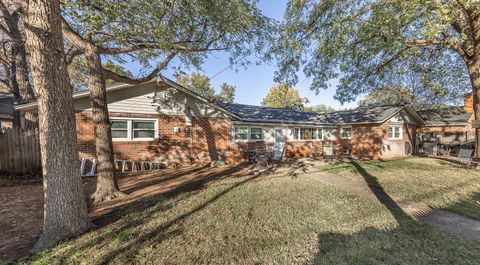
(449, 126)
(163, 121)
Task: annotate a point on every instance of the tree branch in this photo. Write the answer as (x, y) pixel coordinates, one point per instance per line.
(113, 51)
(443, 43)
(71, 54)
(78, 41)
(133, 81)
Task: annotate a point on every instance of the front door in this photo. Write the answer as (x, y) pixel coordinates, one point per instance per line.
(279, 143)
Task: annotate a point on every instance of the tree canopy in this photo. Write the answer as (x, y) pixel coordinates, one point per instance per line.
(419, 99)
(284, 96)
(320, 108)
(368, 44)
(200, 84)
(153, 32)
(227, 93)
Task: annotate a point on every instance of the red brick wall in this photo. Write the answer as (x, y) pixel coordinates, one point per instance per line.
(206, 140)
(210, 139)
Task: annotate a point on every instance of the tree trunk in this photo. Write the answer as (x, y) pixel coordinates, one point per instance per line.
(107, 185)
(18, 72)
(20, 60)
(473, 67)
(65, 209)
(22, 81)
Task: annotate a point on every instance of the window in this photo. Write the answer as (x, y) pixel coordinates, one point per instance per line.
(307, 134)
(119, 129)
(395, 132)
(143, 129)
(256, 134)
(346, 132)
(241, 133)
(127, 129)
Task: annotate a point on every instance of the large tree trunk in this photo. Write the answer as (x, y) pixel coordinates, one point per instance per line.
(474, 72)
(107, 185)
(65, 209)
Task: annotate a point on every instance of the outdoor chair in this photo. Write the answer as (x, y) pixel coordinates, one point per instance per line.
(430, 148)
(347, 151)
(465, 156)
(328, 152)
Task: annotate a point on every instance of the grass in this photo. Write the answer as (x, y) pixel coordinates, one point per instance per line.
(286, 220)
(435, 182)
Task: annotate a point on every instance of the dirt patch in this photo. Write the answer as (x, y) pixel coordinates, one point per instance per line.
(21, 201)
(21, 208)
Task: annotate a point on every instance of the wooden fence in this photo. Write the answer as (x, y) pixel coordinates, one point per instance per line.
(19, 151)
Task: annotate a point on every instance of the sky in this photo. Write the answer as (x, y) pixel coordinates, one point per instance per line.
(253, 83)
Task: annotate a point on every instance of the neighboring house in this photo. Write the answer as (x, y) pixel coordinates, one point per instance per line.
(163, 121)
(452, 125)
(6, 110)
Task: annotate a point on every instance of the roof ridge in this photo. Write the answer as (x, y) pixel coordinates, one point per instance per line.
(264, 107)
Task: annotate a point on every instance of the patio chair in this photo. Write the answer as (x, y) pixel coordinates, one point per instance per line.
(347, 151)
(465, 155)
(328, 152)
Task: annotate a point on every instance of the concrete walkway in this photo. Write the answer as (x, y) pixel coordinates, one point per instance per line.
(448, 221)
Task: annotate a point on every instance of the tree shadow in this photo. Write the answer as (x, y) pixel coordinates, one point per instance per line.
(452, 161)
(124, 219)
(371, 245)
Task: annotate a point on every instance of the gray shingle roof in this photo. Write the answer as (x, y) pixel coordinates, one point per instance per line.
(251, 113)
(362, 115)
(444, 117)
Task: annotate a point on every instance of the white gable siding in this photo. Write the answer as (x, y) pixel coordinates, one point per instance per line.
(402, 117)
(148, 99)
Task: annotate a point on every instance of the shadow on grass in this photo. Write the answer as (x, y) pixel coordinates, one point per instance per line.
(469, 207)
(371, 245)
(451, 161)
(124, 222)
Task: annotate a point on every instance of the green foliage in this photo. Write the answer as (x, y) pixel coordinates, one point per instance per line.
(119, 69)
(200, 84)
(227, 93)
(321, 108)
(368, 44)
(284, 96)
(420, 99)
(390, 96)
(197, 83)
(190, 29)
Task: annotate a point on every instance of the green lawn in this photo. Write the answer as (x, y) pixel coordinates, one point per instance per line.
(286, 220)
(436, 182)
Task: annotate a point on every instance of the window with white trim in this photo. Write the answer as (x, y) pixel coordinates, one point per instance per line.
(134, 129)
(346, 132)
(143, 129)
(256, 133)
(119, 129)
(307, 134)
(240, 133)
(395, 132)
